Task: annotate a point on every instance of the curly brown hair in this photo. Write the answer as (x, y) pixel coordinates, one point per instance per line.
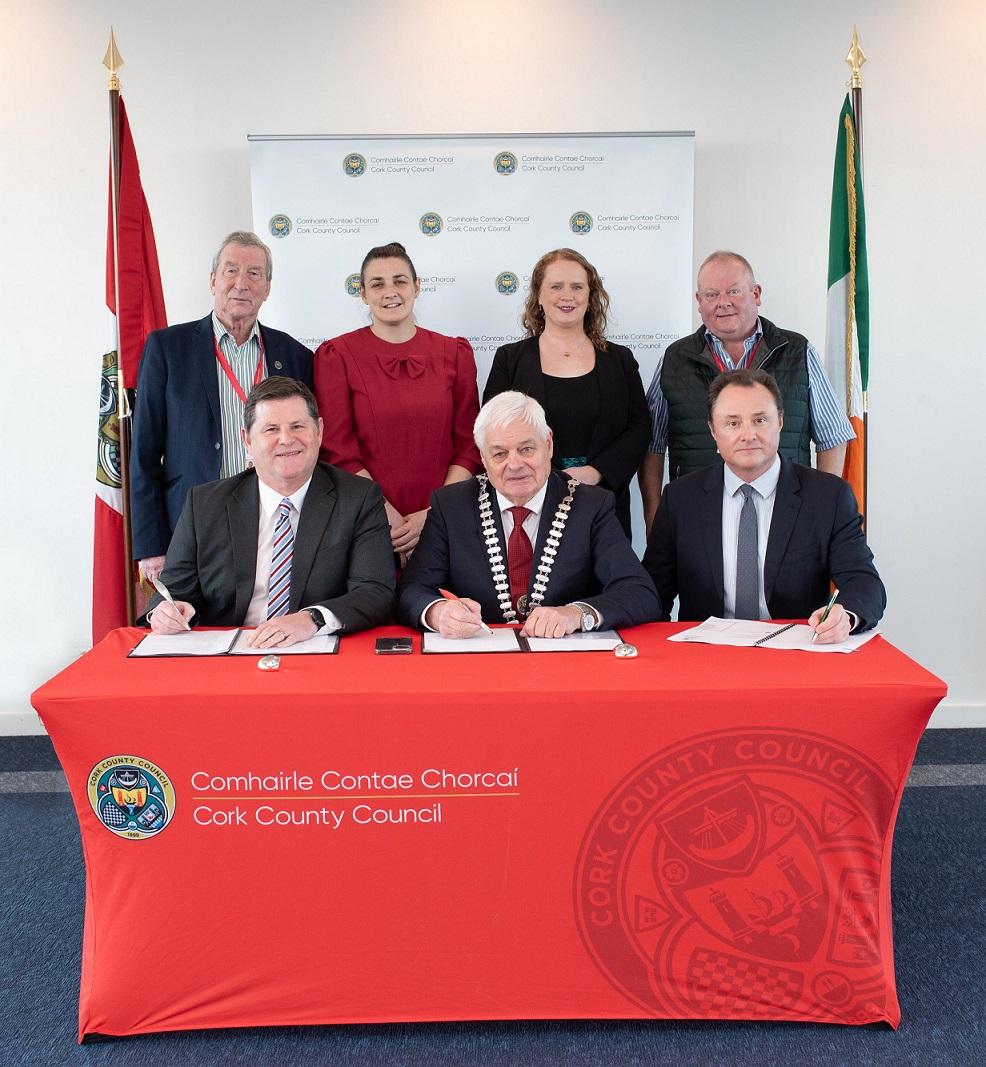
(594, 323)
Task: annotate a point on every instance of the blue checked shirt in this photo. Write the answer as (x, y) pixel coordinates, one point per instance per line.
(829, 425)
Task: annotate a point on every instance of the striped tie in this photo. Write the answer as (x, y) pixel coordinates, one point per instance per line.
(279, 588)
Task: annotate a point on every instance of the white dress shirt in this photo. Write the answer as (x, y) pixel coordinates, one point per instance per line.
(732, 504)
(531, 522)
(764, 494)
(270, 504)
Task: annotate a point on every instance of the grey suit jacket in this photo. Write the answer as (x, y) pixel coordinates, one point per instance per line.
(343, 560)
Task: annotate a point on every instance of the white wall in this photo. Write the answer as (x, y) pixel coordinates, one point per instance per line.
(761, 83)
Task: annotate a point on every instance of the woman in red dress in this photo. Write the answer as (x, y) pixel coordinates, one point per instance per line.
(398, 401)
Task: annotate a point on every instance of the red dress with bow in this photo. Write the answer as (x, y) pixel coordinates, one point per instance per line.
(403, 411)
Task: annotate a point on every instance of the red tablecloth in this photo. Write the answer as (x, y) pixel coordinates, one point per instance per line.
(696, 833)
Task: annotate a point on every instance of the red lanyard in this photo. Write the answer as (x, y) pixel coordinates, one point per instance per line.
(743, 364)
(258, 374)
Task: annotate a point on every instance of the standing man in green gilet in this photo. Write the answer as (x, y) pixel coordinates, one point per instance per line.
(734, 336)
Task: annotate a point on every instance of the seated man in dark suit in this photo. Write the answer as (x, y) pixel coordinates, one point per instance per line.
(759, 537)
(290, 546)
(191, 389)
(523, 543)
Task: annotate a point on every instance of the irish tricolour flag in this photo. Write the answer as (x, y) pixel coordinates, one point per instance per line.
(847, 334)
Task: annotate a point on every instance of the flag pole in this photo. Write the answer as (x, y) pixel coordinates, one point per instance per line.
(113, 61)
(855, 59)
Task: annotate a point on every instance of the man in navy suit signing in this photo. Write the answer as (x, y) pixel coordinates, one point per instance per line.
(759, 537)
(522, 543)
(191, 391)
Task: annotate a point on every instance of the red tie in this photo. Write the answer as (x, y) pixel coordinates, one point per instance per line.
(520, 555)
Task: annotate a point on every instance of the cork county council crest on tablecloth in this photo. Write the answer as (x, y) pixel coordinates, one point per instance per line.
(131, 796)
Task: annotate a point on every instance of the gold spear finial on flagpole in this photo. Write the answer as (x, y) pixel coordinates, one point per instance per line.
(855, 58)
(113, 61)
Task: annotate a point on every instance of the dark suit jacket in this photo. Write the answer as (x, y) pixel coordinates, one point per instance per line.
(619, 438)
(595, 562)
(343, 560)
(815, 538)
(177, 432)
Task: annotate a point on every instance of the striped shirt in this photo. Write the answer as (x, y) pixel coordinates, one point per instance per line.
(243, 361)
(829, 425)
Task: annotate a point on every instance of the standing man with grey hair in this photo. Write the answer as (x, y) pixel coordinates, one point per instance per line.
(523, 543)
(191, 390)
(734, 336)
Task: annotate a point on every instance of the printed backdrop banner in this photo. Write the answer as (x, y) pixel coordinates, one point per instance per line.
(475, 213)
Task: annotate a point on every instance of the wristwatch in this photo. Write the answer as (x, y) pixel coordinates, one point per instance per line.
(316, 616)
(589, 620)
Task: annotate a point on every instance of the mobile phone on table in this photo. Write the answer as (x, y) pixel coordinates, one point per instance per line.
(394, 646)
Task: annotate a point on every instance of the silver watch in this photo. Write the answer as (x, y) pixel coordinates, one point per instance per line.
(589, 620)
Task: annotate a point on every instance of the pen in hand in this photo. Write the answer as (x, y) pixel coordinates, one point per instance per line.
(163, 592)
(451, 596)
(825, 613)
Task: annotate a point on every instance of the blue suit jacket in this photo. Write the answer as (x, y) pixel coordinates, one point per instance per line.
(595, 562)
(815, 538)
(177, 434)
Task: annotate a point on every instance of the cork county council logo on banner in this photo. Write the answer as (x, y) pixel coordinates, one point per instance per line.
(430, 224)
(279, 226)
(352, 285)
(505, 163)
(580, 222)
(131, 796)
(507, 283)
(354, 165)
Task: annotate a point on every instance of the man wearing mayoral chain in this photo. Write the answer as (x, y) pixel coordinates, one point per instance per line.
(523, 543)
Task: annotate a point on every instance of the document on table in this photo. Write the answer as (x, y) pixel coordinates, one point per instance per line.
(505, 639)
(226, 643)
(189, 643)
(500, 640)
(744, 633)
(320, 644)
(593, 641)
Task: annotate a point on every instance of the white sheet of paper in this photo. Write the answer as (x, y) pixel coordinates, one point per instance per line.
(320, 643)
(501, 640)
(744, 633)
(189, 643)
(593, 641)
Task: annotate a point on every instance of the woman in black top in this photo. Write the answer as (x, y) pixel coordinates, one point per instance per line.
(589, 387)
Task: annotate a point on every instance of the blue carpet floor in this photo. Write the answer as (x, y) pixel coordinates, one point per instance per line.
(939, 896)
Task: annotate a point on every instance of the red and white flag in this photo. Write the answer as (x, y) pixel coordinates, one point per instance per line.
(137, 285)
